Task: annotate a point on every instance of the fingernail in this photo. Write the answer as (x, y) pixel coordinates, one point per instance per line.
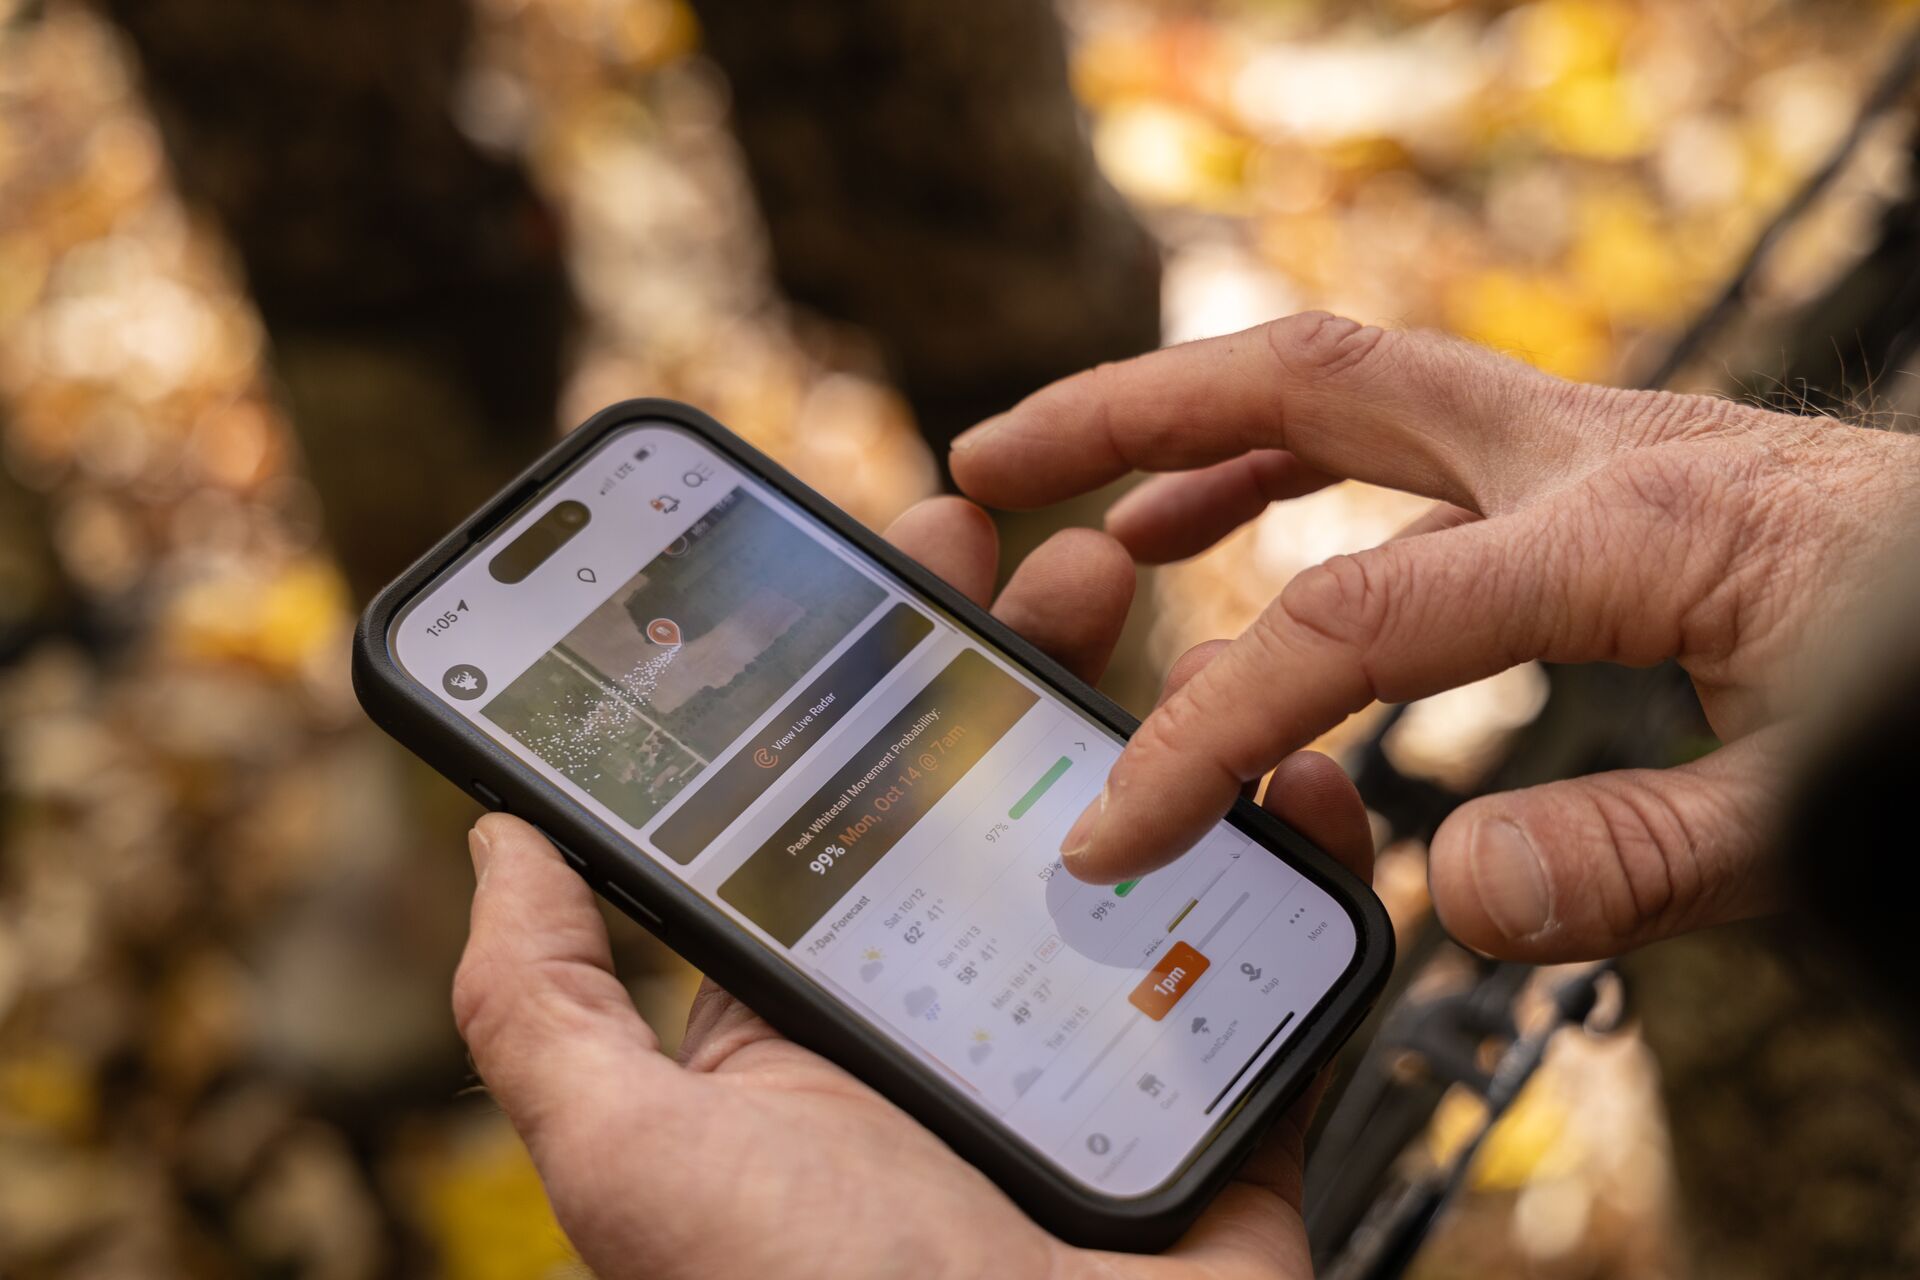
(1080, 834)
(1509, 877)
(973, 436)
(480, 851)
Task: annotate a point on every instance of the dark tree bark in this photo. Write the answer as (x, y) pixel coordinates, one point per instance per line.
(412, 288)
(923, 169)
(35, 598)
(925, 174)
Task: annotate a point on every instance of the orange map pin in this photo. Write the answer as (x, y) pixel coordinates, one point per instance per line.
(664, 631)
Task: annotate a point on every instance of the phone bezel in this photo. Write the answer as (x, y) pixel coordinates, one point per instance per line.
(805, 1012)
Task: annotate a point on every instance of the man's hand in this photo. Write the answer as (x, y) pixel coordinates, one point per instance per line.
(1577, 524)
(751, 1156)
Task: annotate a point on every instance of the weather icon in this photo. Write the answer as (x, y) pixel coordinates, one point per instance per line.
(982, 1046)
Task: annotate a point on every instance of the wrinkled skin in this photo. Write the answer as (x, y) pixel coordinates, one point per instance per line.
(751, 1156)
(1575, 524)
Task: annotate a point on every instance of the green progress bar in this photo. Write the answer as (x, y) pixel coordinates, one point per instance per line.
(1124, 888)
(1039, 788)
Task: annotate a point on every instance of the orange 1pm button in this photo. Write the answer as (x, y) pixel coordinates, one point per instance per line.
(1160, 990)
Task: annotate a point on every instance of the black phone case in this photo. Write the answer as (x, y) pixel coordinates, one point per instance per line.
(653, 896)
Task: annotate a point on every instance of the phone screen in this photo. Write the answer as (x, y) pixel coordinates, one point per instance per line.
(877, 794)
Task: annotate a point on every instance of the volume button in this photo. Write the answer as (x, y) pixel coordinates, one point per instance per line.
(574, 860)
(621, 898)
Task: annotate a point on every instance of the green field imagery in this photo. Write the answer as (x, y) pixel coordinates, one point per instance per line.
(656, 682)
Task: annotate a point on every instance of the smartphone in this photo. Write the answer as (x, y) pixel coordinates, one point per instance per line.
(839, 788)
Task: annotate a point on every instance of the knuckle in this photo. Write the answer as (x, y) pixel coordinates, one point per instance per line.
(1195, 660)
(712, 1009)
(1664, 484)
(476, 996)
(570, 994)
(1191, 728)
(1341, 602)
(1190, 664)
(1675, 485)
(1172, 730)
(1652, 876)
(1688, 522)
(558, 993)
(1319, 344)
(1096, 556)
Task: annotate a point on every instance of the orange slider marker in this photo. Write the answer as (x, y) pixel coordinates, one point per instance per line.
(1176, 973)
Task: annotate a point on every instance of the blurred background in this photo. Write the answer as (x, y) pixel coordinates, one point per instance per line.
(286, 289)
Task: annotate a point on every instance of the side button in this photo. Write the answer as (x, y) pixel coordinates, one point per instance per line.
(574, 860)
(632, 905)
(487, 796)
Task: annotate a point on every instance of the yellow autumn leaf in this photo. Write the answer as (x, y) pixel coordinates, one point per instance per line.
(1535, 318)
(1571, 53)
(303, 606)
(1530, 1141)
(1113, 68)
(1623, 257)
(655, 33)
(1560, 39)
(1163, 154)
(46, 1087)
(277, 622)
(487, 1214)
(1596, 114)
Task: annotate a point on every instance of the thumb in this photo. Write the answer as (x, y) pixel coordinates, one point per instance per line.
(1594, 866)
(550, 1026)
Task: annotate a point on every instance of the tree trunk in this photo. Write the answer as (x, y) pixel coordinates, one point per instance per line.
(412, 288)
(924, 174)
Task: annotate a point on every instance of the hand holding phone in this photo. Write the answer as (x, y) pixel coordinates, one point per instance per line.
(753, 1156)
(838, 786)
